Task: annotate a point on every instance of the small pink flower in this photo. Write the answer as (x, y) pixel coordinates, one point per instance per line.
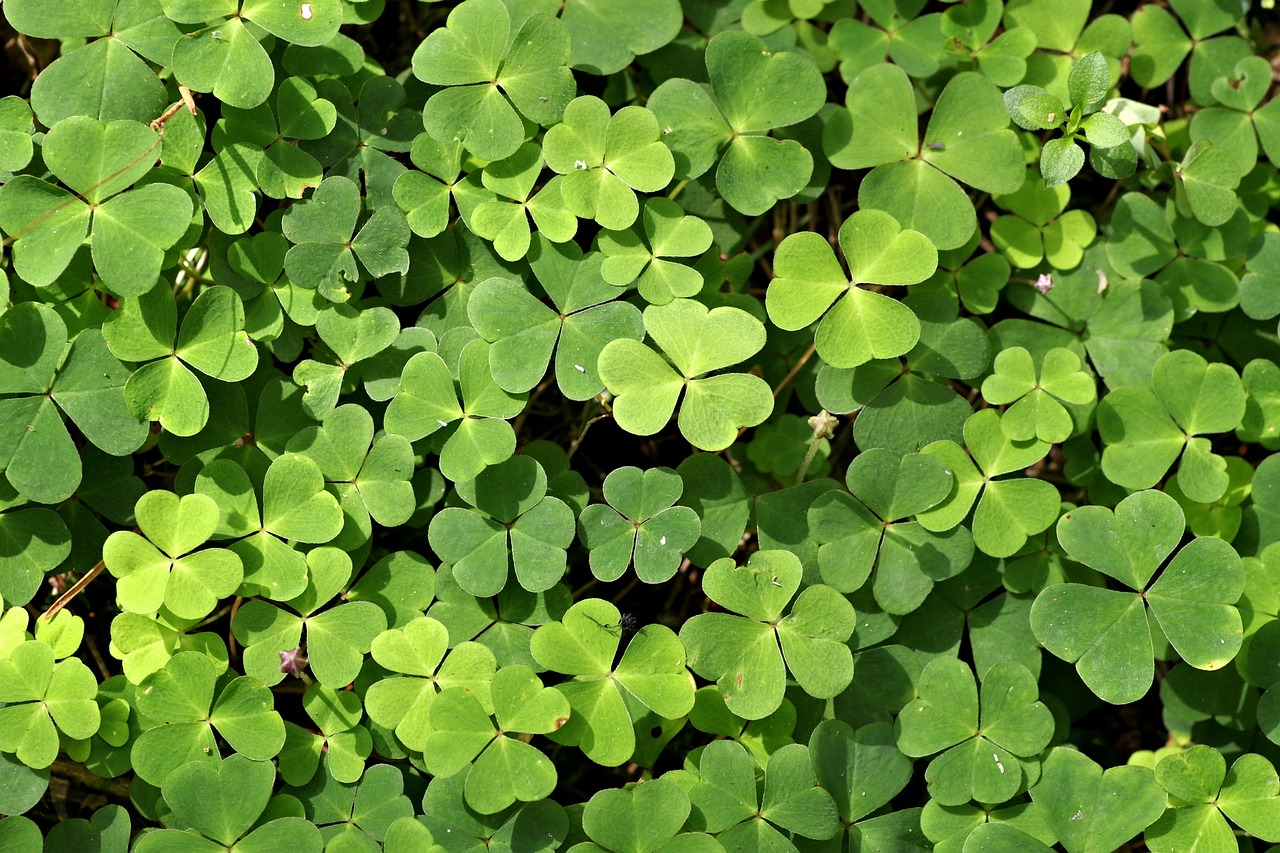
(292, 661)
(1044, 283)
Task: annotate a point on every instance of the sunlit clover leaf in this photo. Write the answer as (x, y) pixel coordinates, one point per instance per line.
(505, 220)
(1092, 811)
(356, 816)
(639, 525)
(1008, 511)
(730, 121)
(212, 340)
(698, 341)
(337, 638)
(165, 567)
(40, 698)
(745, 654)
(1037, 396)
(500, 766)
(668, 233)
(1145, 431)
(1107, 633)
(427, 403)
(1037, 228)
(538, 827)
(1202, 791)
(492, 78)
(907, 559)
(353, 335)
(178, 707)
(523, 331)
(728, 803)
(425, 195)
(326, 244)
(346, 743)
(863, 325)
(984, 733)
(416, 654)
(605, 699)
(128, 232)
(1205, 183)
(967, 139)
(515, 524)
(221, 800)
(372, 475)
(41, 380)
(606, 158)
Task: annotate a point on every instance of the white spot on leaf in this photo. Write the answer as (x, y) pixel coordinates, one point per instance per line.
(307, 13)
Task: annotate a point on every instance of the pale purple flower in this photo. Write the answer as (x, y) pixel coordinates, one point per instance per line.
(292, 661)
(1044, 283)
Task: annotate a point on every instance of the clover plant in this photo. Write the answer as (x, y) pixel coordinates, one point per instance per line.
(658, 426)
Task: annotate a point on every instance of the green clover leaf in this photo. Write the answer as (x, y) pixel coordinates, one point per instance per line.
(986, 734)
(500, 769)
(607, 701)
(1107, 633)
(639, 525)
(864, 324)
(1092, 811)
(515, 525)
(416, 653)
(165, 567)
(1038, 396)
(907, 559)
(698, 341)
(1145, 431)
(1008, 511)
(337, 638)
(668, 232)
(749, 655)
(493, 77)
(730, 122)
(337, 714)
(41, 697)
(505, 218)
(606, 158)
(179, 715)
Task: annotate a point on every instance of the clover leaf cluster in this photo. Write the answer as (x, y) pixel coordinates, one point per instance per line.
(663, 425)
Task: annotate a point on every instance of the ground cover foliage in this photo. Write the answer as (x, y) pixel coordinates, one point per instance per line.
(680, 425)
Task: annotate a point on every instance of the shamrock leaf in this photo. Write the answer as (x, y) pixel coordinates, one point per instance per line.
(326, 244)
(40, 697)
(606, 158)
(427, 403)
(180, 715)
(1106, 633)
(337, 638)
(523, 331)
(212, 340)
(514, 524)
(1008, 511)
(1038, 396)
(1145, 431)
(730, 122)
(607, 701)
(748, 655)
(639, 525)
(1039, 227)
(505, 219)
(493, 77)
(864, 324)
(641, 819)
(668, 232)
(499, 769)
(986, 735)
(726, 802)
(862, 770)
(907, 558)
(698, 341)
(416, 654)
(1202, 792)
(165, 567)
(337, 714)
(129, 232)
(41, 380)
(967, 139)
